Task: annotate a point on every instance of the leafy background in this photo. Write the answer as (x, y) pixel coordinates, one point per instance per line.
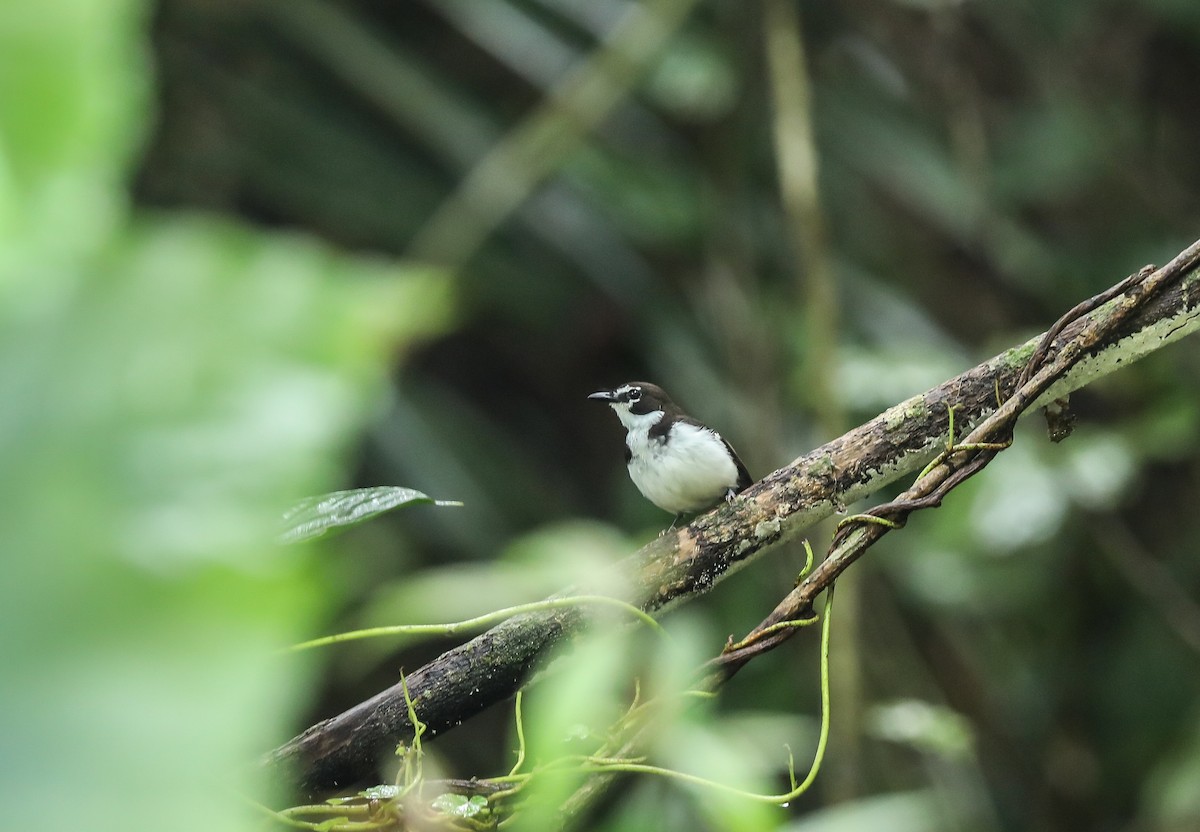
(256, 250)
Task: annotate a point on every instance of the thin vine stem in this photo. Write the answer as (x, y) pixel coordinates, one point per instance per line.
(520, 736)
(605, 766)
(468, 624)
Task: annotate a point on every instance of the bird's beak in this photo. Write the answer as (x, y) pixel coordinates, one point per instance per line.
(604, 395)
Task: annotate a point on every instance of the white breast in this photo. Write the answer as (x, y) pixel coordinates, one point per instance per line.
(690, 472)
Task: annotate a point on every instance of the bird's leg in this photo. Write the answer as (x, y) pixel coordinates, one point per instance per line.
(729, 495)
(671, 527)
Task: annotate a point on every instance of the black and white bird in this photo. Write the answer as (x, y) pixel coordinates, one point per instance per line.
(676, 462)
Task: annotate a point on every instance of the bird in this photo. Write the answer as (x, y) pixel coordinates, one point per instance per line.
(677, 463)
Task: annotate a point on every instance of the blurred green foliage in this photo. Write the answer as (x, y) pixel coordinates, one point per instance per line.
(1028, 657)
(170, 383)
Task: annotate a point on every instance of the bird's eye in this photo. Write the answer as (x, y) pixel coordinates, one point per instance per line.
(635, 394)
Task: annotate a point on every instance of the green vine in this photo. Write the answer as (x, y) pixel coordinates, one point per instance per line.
(600, 765)
(491, 806)
(479, 622)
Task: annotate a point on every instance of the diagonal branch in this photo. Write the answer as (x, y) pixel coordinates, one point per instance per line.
(1063, 347)
(671, 569)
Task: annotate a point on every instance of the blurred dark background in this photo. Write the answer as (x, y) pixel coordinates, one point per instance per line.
(1030, 653)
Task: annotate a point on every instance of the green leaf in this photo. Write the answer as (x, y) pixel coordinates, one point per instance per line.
(459, 806)
(387, 791)
(314, 516)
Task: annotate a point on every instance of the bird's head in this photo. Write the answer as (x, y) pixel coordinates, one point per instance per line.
(636, 402)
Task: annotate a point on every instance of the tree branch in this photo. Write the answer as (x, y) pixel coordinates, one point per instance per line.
(669, 570)
(1058, 351)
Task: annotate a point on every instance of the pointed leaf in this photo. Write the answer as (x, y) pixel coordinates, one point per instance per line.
(314, 516)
